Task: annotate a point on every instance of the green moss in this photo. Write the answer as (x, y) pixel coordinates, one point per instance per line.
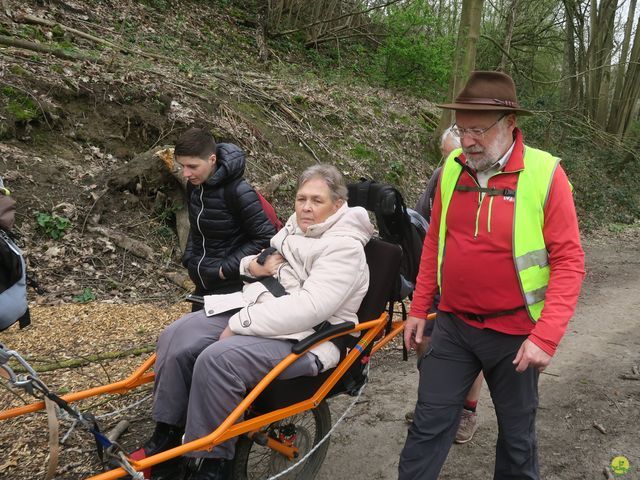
(18, 70)
(19, 105)
(57, 31)
(395, 172)
(33, 33)
(362, 152)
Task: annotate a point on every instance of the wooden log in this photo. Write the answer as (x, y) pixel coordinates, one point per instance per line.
(138, 248)
(37, 47)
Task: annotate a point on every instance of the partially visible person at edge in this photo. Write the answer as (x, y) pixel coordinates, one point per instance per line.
(469, 417)
(504, 252)
(219, 235)
(205, 364)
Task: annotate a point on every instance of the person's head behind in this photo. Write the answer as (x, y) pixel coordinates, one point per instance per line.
(485, 117)
(321, 192)
(448, 142)
(195, 151)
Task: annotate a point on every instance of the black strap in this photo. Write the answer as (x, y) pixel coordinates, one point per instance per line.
(492, 192)
(277, 290)
(271, 284)
(25, 320)
(482, 317)
(264, 254)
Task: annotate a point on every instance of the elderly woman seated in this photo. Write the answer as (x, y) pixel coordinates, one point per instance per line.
(206, 364)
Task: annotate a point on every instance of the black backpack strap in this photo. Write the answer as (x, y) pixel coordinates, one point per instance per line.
(492, 192)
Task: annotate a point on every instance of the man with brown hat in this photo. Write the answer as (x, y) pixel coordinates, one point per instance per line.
(503, 250)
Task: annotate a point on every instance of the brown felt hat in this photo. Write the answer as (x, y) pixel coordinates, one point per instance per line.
(488, 91)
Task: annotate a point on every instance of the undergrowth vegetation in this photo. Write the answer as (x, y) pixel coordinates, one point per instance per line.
(360, 97)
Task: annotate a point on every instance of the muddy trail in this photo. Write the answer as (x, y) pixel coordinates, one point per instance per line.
(588, 413)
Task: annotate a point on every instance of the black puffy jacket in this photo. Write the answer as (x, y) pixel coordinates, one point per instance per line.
(220, 234)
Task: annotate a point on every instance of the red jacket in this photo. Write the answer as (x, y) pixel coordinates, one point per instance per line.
(478, 273)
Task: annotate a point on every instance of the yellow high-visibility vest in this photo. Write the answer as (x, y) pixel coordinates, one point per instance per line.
(530, 256)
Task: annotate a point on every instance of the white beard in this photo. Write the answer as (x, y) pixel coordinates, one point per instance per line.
(492, 153)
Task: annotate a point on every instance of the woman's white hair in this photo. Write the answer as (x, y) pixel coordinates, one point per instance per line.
(331, 176)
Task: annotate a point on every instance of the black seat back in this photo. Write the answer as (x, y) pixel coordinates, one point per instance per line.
(383, 259)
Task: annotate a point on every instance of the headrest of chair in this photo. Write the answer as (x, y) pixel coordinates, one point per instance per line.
(379, 198)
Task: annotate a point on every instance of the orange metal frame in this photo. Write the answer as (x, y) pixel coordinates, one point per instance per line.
(229, 428)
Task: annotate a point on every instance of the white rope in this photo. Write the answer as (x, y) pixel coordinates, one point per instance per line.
(312, 451)
(64, 416)
(124, 409)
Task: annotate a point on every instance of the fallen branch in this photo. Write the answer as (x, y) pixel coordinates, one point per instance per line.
(22, 18)
(132, 245)
(36, 47)
(81, 362)
(180, 280)
(625, 376)
(87, 36)
(269, 188)
(599, 427)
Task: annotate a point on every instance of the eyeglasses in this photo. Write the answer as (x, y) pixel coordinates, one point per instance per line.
(474, 132)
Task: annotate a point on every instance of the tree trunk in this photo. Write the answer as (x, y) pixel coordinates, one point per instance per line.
(506, 45)
(465, 57)
(599, 53)
(569, 66)
(613, 126)
(631, 88)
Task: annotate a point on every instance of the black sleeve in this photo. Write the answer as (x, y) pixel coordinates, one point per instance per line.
(256, 227)
(188, 250)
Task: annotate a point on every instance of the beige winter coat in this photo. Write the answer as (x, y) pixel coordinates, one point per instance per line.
(325, 274)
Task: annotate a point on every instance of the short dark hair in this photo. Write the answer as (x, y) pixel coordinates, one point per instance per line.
(195, 142)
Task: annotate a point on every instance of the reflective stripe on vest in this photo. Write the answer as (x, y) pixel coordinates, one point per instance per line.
(530, 256)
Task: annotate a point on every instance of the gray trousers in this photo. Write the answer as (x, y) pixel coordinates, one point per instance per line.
(200, 380)
(457, 354)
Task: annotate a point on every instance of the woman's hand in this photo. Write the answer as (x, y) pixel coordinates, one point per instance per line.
(227, 332)
(269, 268)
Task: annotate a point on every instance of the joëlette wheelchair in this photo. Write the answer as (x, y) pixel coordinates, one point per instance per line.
(279, 421)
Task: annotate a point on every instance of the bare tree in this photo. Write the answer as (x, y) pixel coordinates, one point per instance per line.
(614, 124)
(506, 45)
(465, 55)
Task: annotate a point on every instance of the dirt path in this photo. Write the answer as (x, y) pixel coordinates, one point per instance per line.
(582, 388)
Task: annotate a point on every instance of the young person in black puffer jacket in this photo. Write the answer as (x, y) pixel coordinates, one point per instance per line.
(220, 234)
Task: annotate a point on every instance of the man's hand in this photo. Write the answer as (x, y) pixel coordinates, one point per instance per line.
(413, 333)
(531, 355)
(226, 333)
(269, 268)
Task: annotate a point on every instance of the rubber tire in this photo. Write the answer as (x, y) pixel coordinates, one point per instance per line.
(275, 462)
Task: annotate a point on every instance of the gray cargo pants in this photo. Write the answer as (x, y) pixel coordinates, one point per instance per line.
(458, 352)
(199, 380)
